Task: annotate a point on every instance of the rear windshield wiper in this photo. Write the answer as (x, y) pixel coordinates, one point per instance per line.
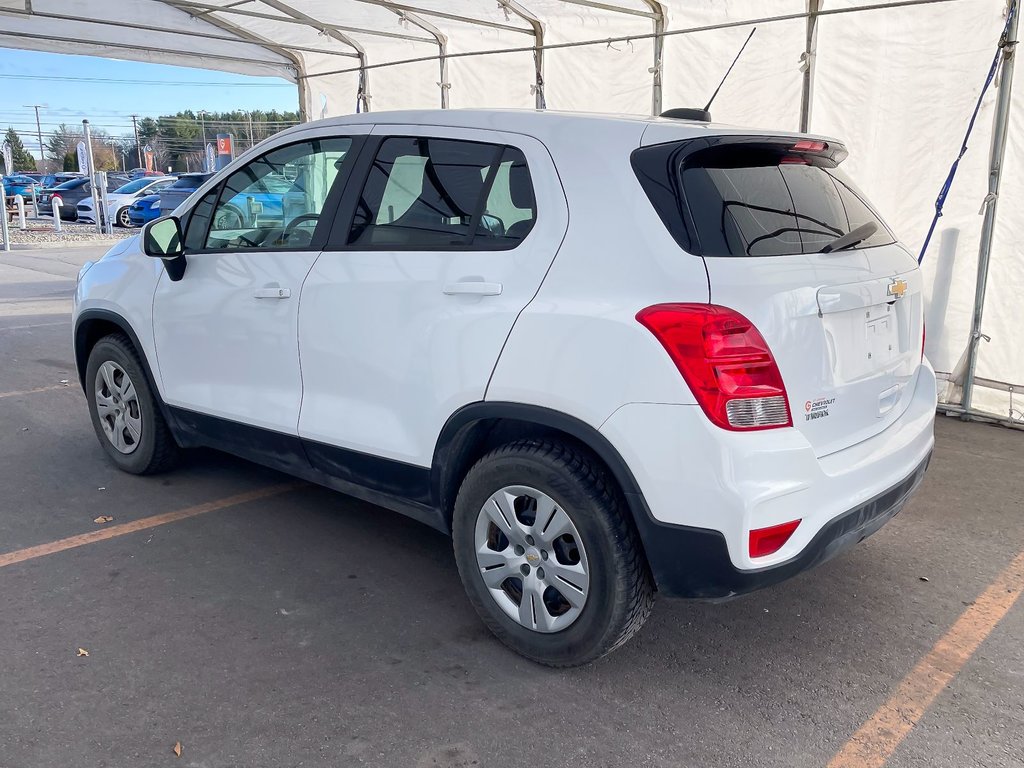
(851, 238)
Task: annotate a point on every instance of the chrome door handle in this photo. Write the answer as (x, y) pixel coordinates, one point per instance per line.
(272, 293)
(472, 288)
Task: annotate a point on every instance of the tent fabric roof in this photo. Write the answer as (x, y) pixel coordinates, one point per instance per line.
(895, 79)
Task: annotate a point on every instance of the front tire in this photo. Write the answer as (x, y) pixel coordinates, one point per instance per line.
(124, 411)
(547, 554)
(122, 218)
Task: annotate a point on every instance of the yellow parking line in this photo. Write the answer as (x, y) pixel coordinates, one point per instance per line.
(33, 391)
(102, 534)
(873, 744)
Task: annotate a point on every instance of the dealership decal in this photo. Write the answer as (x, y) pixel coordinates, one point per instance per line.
(817, 408)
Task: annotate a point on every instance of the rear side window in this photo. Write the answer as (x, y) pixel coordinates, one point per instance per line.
(754, 198)
(429, 193)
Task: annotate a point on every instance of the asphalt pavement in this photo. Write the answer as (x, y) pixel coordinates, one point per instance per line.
(301, 627)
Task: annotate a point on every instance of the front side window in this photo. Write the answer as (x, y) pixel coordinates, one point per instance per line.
(276, 200)
(428, 193)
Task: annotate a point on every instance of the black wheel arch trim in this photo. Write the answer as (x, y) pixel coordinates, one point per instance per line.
(589, 436)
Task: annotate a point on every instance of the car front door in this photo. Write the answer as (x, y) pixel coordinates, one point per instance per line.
(226, 332)
(405, 313)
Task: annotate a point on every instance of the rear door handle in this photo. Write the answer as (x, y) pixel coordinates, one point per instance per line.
(472, 288)
(272, 293)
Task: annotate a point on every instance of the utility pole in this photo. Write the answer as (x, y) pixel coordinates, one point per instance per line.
(138, 144)
(202, 120)
(39, 130)
(248, 114)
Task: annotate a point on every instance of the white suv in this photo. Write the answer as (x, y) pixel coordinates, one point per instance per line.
(610, 356)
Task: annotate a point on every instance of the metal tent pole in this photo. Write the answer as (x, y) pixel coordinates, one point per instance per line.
(809, 60)
(660, 24)
(1001, 124)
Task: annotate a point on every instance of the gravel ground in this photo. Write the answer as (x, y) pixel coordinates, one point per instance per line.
(40, 232)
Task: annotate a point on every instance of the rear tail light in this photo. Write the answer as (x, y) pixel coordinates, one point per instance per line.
(725, 361)
(768, 541)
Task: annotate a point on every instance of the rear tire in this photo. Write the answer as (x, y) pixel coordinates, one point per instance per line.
(124, 410)
(122, 219)
(561, 626)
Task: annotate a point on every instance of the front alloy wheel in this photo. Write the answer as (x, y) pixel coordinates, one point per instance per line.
(117, 405)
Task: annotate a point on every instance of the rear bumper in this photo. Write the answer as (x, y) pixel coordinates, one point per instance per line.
(703, 489)
(694, 562)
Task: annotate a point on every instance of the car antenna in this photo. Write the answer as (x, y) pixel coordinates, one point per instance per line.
(726, 76)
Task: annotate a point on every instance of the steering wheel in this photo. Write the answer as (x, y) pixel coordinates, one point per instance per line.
(292, 225)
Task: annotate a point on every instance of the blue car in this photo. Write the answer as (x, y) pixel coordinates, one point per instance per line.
(147, 208)
(144, 209)
(16, 184)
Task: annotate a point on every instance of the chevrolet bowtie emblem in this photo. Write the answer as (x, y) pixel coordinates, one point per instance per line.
(897, 288)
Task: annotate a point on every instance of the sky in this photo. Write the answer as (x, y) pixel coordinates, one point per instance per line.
(157, 90)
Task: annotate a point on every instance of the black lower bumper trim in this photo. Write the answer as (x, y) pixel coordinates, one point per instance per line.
(694, 562)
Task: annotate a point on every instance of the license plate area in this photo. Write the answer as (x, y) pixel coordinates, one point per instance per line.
(881, 334)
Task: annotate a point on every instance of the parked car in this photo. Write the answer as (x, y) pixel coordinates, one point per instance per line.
(175, 194)
(71, 193)
(19, 184)
(138, 173)
(119, 201)
(54, 179)
(143, 210)
(707, 379)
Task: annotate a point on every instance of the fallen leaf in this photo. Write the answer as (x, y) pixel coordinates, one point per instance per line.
(177, 749)
(64, 382)
(923, 578)
(102, 488)
(82, 652)
(103, 519)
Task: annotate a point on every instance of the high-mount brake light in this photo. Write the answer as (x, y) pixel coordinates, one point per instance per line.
(725, 361)
(806, 145)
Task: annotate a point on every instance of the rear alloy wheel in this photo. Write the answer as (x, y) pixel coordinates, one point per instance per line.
(124, 411)
(548, 555)
(122, 218)
(532, 559)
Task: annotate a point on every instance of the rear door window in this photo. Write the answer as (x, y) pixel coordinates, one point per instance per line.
(432, 193)
(744, 199)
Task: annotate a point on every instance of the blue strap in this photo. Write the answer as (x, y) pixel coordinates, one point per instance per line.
(941, 199)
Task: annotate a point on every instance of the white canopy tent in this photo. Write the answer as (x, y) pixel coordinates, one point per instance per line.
(897, 81)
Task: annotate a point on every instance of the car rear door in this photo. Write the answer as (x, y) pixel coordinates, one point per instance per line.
(405, 313)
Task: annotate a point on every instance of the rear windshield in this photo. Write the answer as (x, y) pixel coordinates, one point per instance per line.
(189, 182)
(747, 198)
(72, 184)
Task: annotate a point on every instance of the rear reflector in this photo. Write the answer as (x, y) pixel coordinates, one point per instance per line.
(725, 361)
(768, 541)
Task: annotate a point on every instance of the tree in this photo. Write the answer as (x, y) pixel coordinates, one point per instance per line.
(23, 161)
(70, 161)
(62, 141)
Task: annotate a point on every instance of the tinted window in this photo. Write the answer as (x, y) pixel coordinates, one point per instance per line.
(73, 184)
(428, 193)
(193, 181)
(742, 199)
(276, 200)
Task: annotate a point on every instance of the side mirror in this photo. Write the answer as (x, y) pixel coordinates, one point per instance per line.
(162, 238)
